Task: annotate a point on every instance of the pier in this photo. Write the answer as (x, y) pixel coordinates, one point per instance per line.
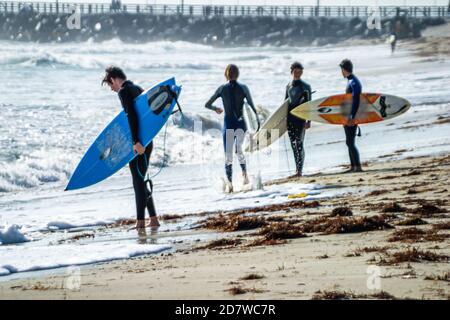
(224, 10)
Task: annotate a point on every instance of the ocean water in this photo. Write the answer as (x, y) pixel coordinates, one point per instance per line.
(53, 107)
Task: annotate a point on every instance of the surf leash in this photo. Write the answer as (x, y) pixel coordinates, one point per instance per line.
(147, 178)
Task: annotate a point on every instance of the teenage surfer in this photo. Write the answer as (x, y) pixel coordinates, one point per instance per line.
(128, 92)
(354, 87)
(298, 92)
(233, 94)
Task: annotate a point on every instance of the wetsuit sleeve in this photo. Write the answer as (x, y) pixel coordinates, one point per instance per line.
(128, 106)
(214, 97)
(308, 93)
(249, 99)
(356, 91)
(287, 94)
(308, 98)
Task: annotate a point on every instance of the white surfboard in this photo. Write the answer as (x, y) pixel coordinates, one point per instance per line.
(272, 129)
(251, 119)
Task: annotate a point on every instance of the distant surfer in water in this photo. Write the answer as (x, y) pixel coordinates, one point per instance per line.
(128, 92)
(392, 40)
(298, 92)
(354, 87)
(233, 94)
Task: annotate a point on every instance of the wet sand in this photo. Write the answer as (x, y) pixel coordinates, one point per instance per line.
(303, 250)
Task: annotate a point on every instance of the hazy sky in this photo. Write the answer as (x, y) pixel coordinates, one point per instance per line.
(276, 2)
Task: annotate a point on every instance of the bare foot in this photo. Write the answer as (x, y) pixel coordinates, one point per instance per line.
(297, 175)
(154, 223)
(228, 187)
(140, 224)
(245, 178)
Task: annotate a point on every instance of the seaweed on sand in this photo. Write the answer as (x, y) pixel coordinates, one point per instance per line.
(346, 224)
(233, 222)
(414, 234)
(412, 255)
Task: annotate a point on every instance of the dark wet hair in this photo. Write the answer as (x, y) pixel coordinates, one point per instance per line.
(231, 72)
(347, 65)
(113, 72)
(296, 65)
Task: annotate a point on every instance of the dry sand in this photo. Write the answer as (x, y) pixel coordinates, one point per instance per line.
(334, 264)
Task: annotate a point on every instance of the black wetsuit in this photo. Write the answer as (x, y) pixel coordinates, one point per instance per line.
(354, 87)
(393, 42)
(139, 165)
(233, 95)
(297, 92)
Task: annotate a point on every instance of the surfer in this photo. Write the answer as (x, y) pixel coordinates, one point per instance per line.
(298, 92)
(392, 41)
(128, 91)
(354, 87)
(233, 94)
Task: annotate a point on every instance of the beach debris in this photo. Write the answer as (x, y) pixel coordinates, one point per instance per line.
(236, 290)
(266, 242)
(414, 234)
(414, 221)
(221, 244)
(414, 172)
(349, 295)
(275, 219)
(341, 212)
(297, 195)
(392, 207)
(77, 237)
(121, 223)
(359, 251)
(377, 192)
(412, 255)
(281, 230)
(388, 177)
(442, 226)
(299, 204)
(412, 191)
(444, 277)
(233, 222)
(345, 224)
(252, 276)
(427, 209)
(167, 217)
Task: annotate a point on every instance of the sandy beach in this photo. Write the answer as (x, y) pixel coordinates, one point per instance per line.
(389, 239)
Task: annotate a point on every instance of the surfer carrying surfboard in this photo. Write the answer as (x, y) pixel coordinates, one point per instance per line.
(128, 92)
(233, 95)
(298, 92)
(354, 87)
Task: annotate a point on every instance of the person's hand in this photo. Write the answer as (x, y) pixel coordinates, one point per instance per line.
(350, 123)
(307, 124)
(219, 110)
(139, 148)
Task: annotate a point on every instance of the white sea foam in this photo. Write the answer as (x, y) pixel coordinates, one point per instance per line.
(64, 255)
(11, 234)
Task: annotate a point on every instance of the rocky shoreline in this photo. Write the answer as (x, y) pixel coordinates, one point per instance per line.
(216, 30)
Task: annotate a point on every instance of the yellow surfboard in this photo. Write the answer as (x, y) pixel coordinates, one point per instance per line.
(335, 109)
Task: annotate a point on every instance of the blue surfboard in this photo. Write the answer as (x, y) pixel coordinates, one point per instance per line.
(113, 148)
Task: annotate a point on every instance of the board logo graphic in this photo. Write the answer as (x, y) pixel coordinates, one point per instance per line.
(383, 106)
(160, 99)
(324, 110)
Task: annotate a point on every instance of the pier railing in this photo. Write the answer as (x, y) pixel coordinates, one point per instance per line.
(224, 10)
